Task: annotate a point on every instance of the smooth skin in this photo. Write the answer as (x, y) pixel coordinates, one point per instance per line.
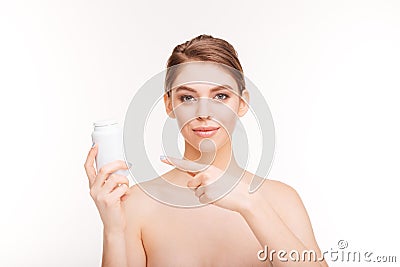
(140, 231)
(108, 192)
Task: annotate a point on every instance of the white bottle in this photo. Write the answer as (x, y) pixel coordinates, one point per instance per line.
(109, 138)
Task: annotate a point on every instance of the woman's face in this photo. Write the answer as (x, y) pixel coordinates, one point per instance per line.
(205, 101)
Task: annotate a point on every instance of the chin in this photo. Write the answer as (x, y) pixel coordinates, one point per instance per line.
(206, 144)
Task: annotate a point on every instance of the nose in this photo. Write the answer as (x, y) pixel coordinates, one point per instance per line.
(204, 117)
(203, 109)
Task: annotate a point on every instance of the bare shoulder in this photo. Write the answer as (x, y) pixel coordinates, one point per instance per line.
(281, 196)
(137, 203)
(286, 202)
(144, 197)
(134, 195)
(277, 191)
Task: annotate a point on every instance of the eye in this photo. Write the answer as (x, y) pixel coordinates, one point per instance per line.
(187, 98)
(221, 96)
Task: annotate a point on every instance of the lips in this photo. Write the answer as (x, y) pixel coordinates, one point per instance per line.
(205, 132)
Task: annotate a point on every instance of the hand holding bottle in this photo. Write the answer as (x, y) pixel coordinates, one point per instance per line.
(107, 190)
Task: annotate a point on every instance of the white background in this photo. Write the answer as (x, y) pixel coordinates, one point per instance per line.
(328, 69)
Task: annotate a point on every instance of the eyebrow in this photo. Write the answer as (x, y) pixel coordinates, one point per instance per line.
(217, 88)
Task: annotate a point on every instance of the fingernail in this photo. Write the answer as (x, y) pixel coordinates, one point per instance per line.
(93, 144)
(129, 165)
(162, 157)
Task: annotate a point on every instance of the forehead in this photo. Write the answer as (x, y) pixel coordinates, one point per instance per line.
(205, 74)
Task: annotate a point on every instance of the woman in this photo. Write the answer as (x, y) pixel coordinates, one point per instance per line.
(231, 231)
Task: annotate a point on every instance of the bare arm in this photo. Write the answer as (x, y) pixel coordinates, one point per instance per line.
(135, 217)
(125, 248)
(122, 245)
(114, 249)
(282, 224)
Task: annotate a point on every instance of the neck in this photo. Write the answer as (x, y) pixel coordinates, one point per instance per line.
(223, 158)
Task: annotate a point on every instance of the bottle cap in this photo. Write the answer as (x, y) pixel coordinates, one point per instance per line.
(103, 123)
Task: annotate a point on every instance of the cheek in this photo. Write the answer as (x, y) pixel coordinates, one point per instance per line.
(184, 114)
(227, 117)
(185, 130)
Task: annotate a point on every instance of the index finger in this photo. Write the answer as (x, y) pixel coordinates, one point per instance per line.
(89, 168)
(188, 166)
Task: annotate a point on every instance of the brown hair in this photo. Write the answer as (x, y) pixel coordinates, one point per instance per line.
(205, 48)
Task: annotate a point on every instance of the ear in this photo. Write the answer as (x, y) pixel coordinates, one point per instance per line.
(168, 105)
(243, 105)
